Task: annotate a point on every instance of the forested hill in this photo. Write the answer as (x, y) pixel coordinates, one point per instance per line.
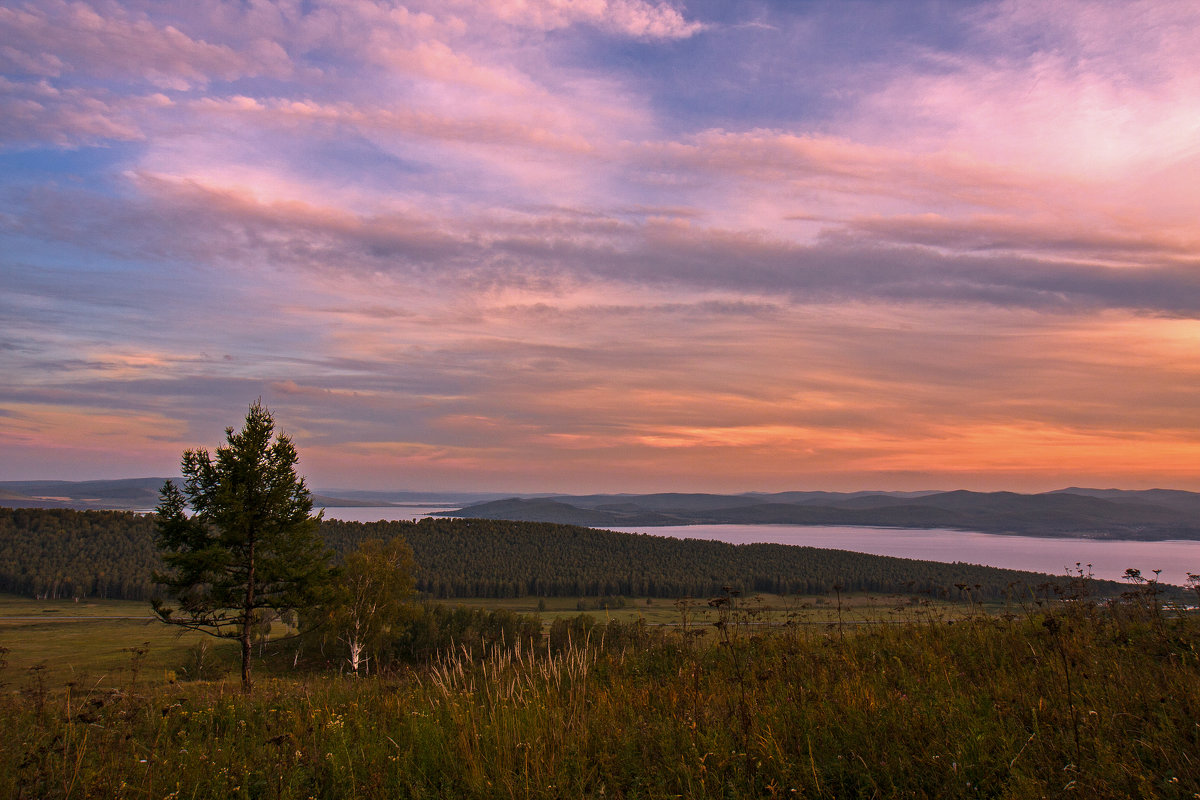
(1152, 514)
(124, 494)
(500, 558)
(1103, 514)
(58, 552)
(65, 553)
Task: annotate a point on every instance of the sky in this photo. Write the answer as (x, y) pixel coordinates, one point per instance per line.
(606, 245)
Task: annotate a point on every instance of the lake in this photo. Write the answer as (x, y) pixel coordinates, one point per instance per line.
(1109, 559)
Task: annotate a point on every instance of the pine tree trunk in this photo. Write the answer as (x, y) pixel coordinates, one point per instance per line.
(248, 621)
(246, 653)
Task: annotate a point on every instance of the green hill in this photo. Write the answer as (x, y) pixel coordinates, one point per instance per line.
(66, 553)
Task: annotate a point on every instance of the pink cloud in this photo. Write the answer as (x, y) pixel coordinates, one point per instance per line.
(1112, 91)
(636, 18)
(56, 37)
(65, 432)
(1120, 244)
(40, 112)
(827, 165)
(975, 263)
(541, 134)
(436, 60)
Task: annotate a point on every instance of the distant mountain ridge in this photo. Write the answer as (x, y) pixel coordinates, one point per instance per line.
(1148, 514)
(1153, 514)
(119, 494)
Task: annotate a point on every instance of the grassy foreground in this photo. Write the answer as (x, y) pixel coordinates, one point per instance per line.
(100, 643)
(1077, 701)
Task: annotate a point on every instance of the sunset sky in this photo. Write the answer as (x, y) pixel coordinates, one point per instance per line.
(606, 245)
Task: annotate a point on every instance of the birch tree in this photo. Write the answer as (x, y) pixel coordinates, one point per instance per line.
(371, 602)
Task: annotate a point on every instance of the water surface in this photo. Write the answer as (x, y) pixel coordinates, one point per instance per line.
(1108, 559)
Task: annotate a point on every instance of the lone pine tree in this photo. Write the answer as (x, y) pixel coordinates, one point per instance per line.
(250, 549)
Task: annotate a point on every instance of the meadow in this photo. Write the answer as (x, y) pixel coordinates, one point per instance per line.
(103, 643)
(1062, 699)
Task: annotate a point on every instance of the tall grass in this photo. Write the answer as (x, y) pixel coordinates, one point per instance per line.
(1073, 701)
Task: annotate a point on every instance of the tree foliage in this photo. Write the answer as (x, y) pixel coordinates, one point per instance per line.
(57, 553)
(371, 600)
(63, 553)
(501, 558)
(250, 548)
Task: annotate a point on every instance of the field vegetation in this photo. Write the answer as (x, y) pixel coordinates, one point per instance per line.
(578, 663)
(1043, 698)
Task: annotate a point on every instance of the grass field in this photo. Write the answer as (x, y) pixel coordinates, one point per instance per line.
(50, 610)
(97, 643)
(1066, 700)
(771, 608)
(107, 643)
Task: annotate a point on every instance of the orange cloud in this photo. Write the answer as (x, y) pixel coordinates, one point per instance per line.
(79, 430)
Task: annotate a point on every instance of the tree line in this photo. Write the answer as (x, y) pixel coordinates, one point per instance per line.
(57, 553)
(60, 553)
(501, 558)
